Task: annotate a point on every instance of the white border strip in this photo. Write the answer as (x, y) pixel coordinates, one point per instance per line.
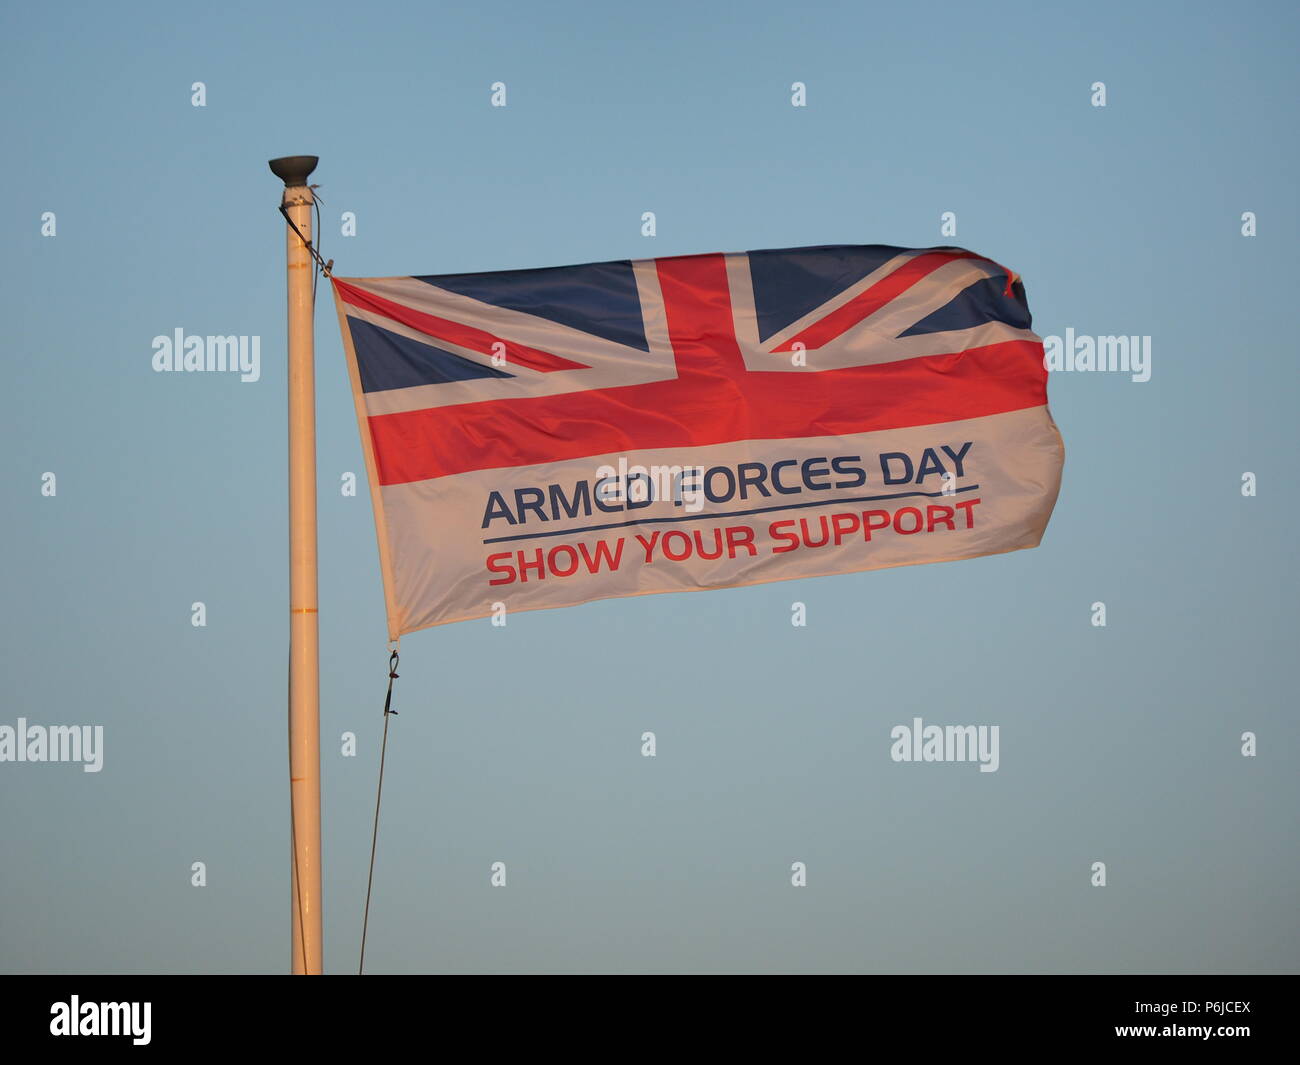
(372, 475)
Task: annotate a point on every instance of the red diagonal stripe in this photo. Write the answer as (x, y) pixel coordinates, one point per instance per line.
(867, 302)
(454, 332)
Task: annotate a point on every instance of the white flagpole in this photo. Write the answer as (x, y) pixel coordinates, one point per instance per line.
(304, 666)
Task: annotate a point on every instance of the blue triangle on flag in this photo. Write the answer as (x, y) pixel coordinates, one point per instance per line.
(984, 301)
(387, 360)
(598, 298)
(793, 282)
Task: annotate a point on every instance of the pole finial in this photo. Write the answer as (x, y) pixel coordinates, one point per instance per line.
(293, 170)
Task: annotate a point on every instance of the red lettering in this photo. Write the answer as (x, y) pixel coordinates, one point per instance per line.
(648, 545)
(494, 567)
(968, 506)
(685, 551)
(603, 554)
(717, 544)
(777, 532)
(937, 515)
(898, 514)
(869, 526)
(843, 524)
(807, 536)
(740, 536)
(538, 564)
(555, 568)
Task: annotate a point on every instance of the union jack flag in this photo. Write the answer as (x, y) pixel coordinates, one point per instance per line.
(506, 370)
(690, 350)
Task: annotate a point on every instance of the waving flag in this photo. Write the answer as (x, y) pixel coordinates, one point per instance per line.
(542, 438)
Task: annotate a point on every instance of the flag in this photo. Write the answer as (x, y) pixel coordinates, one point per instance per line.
(547, 437)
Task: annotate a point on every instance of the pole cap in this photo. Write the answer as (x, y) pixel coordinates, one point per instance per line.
(293, 169)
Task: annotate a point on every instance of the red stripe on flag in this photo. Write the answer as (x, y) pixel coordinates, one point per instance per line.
(867, 302)
(417, 445)
(454, 332)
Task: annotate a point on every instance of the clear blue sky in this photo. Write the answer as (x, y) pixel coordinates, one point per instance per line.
(1118, 744)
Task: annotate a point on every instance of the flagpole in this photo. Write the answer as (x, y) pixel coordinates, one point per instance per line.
(304, 666)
